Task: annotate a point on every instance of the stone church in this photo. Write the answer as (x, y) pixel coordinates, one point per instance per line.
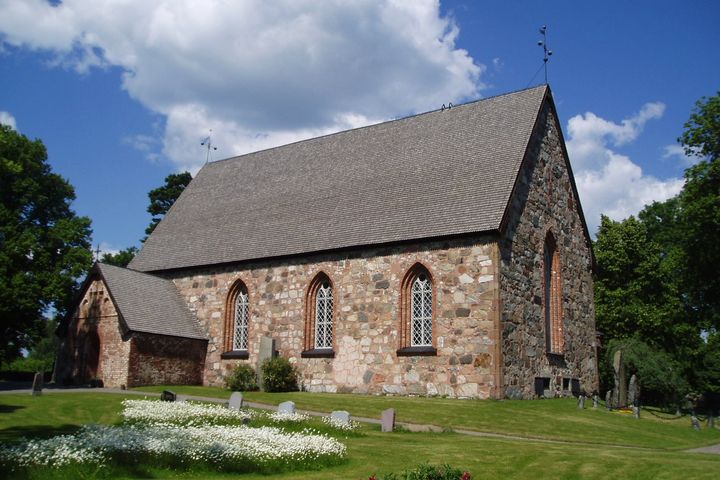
(444, 253)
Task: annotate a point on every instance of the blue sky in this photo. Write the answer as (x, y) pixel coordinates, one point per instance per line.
(122, 93)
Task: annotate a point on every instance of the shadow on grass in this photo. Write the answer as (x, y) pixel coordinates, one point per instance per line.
(10, 408)
(15, 433)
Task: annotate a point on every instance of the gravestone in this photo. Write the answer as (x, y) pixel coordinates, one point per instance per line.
(287, 408)
(620, 390)
(596, 399)
(711, 420)
(633, 395)
(581, 401)
(608, 399)
(168, 396)
(636, 411)
(267, 352)
(340, 416)
(38, 382)
(388, 420)
(236, 401)
(695, 423)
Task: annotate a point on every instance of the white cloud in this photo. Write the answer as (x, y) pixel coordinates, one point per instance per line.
(677, 151)
(258, 73)
(7, 119)
(608, 182)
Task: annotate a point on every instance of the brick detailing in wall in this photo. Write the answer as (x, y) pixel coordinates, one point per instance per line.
(552, 298)
(367, 321)
(544, 201)
(94, 346)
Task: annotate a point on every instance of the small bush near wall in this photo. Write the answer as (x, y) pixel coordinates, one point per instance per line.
(241, 379)
(279, 375)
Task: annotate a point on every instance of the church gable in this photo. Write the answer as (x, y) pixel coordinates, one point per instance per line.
(546, 273)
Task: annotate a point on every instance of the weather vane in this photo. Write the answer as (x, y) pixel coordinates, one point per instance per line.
(546, 51)
(207, 143)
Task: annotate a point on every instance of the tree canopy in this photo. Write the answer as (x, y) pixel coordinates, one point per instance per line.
(44, 245)
(657, 274)
(163, 197)
(121, 258)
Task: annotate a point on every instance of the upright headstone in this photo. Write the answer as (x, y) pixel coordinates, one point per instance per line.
(581, 401)
(596, 399)
(287, 408)
(608, 399)
(620, 390)
(340, 416)
(168, 396)
(267, 352)
(695, 423)
(388, 420)
(636, 411)
(236, 401)
(711, 420)
(632, 395)
(38, 382)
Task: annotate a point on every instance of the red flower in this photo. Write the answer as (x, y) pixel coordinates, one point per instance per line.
(372, 477)
(466, 476)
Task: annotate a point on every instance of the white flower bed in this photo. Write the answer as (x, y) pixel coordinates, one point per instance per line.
(288, 417)
(153, 412)
(212, 444)
(345, 426)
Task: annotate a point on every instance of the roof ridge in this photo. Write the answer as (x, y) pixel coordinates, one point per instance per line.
(392, 120)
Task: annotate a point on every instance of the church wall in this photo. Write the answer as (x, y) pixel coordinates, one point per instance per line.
(164, 360)
(544, 201)
(366, 302)
(93, 347)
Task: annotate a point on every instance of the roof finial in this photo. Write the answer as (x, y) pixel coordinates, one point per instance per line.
(546, 51)
(207, 143)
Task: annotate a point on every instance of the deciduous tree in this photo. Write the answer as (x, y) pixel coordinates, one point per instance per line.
(44, 245)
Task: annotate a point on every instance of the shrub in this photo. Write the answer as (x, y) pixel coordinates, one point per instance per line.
(428, 472)
(279, 375)
(241, 379)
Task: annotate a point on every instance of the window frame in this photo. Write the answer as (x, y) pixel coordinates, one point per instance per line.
(231, 304)
(552, 306)
(312, 302)
(407, 346)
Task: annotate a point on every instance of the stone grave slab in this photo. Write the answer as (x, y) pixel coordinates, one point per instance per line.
(388, 420)
(236, 401)
(287, 407)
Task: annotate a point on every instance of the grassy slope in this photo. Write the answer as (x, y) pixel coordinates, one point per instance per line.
(381, 453)
(548, 419)
(52, 414)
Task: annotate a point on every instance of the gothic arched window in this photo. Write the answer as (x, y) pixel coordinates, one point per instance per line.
(552, 297)
(237, 322)
(417, 313)
(319, 315)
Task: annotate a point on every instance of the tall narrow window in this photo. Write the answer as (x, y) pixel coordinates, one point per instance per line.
(323, 316)
(240, 337)
(552, 297)
(416, 313)
(237, 322)
(421, 322)
(319, 311)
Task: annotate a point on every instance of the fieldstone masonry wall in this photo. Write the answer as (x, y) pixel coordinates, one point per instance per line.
(544, 201)
(366, 288)
(163, 360)
(94, 346)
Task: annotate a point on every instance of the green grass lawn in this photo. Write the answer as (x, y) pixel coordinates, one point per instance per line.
(375, 452)
(557, 419)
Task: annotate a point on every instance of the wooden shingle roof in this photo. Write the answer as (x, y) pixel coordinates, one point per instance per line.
(148, 303)
(430, 175)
